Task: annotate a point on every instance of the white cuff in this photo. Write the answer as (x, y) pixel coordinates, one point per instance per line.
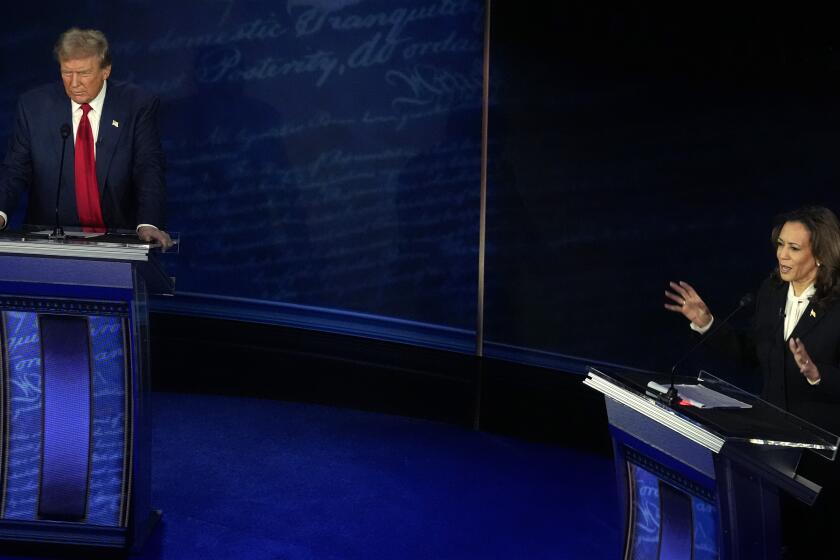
(702, 330)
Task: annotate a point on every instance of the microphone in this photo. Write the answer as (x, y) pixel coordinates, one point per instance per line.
(58, 232)
(672, 396)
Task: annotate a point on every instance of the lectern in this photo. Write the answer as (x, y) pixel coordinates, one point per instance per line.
(703, 483)
(74, 406)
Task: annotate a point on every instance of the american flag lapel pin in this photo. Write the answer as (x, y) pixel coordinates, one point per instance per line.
(115, 124)
(813, 314)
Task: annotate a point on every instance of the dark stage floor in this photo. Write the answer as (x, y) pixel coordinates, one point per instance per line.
(265, 479)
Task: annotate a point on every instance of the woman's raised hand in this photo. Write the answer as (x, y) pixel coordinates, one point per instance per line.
(688, 303)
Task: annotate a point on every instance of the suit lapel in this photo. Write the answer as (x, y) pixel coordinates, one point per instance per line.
(779, 295)
(111, 124)
(809, 319)
(60, 113)
(56, 121)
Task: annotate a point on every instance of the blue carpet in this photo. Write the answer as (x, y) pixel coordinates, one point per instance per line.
(260, 479)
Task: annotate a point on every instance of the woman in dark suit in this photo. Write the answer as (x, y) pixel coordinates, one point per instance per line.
(795, 340)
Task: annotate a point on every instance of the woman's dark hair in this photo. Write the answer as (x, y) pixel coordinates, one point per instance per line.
(824, 228)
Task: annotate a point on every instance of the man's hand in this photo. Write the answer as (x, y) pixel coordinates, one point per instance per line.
(149, 233)
(2, 222)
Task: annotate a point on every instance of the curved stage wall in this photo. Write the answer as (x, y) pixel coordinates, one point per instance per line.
(324, 160)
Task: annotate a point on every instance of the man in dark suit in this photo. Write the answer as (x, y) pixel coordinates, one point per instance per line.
(113, 173)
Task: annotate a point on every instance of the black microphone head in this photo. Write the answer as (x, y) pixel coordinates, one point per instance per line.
(65, 131)
(746, 300)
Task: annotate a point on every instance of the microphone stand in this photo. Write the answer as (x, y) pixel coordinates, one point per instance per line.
(671, 396)
(58, 231)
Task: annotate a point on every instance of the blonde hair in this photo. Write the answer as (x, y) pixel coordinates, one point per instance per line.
(82, 43)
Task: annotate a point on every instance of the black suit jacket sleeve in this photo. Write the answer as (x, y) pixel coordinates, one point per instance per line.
(16, 171)
(148, 171)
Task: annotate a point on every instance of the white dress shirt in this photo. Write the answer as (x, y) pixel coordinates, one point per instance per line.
(795, 307)
(94, 115)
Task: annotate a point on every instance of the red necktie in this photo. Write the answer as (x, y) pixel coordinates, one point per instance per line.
(87, 189)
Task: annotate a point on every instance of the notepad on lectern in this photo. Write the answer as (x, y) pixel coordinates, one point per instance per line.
(709, 398)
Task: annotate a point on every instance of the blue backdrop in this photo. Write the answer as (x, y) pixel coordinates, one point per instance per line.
(324, 160)
(323, 156)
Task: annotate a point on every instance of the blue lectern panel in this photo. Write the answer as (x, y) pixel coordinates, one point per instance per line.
(705, 530)
(65, 390)
(23, 456)
(24, 417)
(107, 337)
(669, 522)
(675, 523)
(645, 503)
